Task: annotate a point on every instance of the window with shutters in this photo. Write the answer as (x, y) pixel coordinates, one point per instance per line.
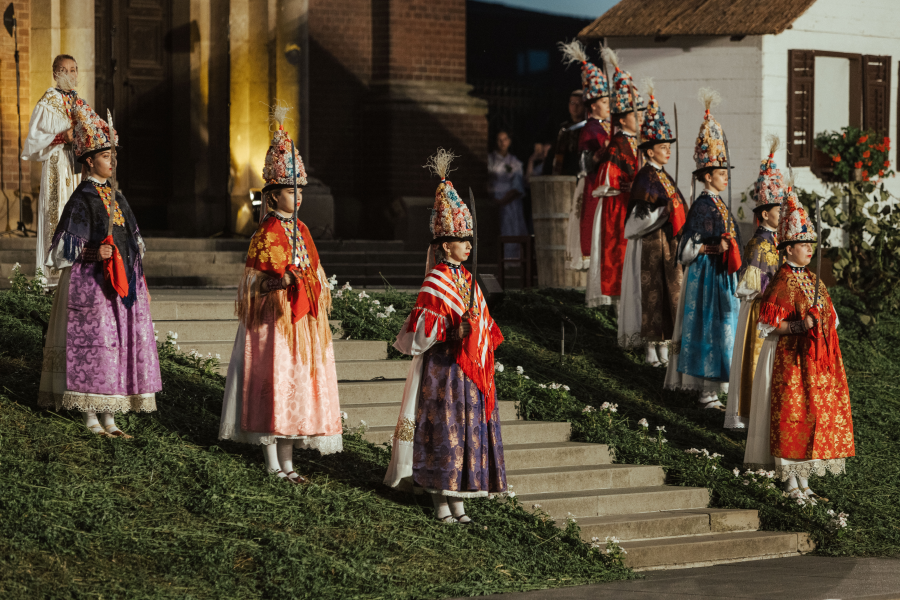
(831, 90)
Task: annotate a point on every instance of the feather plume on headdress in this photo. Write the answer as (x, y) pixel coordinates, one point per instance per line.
(709, 97)
(278, 113)
(774, 143)
(439, 162)
(648, 83)
(573, 52)
(609, 56)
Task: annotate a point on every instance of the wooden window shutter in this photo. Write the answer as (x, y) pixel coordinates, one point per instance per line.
(801, 83)
(877, 93)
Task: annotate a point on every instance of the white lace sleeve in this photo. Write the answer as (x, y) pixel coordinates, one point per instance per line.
(47, 121)
(765, 329)
(689, 252)
(414, 343)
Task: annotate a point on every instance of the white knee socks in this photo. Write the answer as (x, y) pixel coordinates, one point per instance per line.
(441, 508)
(663, 352)
(650, 354)
(286, 457)
(458, 510)
(270, 453)
(91, 422)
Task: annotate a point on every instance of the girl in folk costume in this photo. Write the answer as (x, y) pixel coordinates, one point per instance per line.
(592, 143)
(709, 249)
(50, 142)
(760, 265)
(651, 278)
(447, 439)
(281, 390)
(800, 419)
(100, 354)
(619, 165)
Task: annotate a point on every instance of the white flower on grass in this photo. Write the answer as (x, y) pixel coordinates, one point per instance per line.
(218, 357)
(363, 295)
(526, 376)
(588, 409)
(344, 415)
(339, 294)
(173, 335)
(498, 367)
(542, 386)
(746, 482)
(195, 354)
(714, 467)
(363, 423)
(535, 506)
(332, 282)
(347, 286)
(643, 423)
(737, 472)
(662, 428)
(663, 440)
(390, 309)
(520, 370)
(376, 302)
(381, 316)
(567, 388)
(692, 451)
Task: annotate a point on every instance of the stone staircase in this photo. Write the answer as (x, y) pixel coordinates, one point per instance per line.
(660, 526)
(219, 263)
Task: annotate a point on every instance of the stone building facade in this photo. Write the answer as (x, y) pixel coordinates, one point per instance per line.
(376, 86)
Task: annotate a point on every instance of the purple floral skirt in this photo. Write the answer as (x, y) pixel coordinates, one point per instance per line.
(455, 452)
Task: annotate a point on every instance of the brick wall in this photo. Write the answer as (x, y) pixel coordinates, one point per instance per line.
(9, 145)
(368, 146)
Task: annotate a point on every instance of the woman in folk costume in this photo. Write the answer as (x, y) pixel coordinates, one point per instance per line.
(100, 354)
(760, 264)
(619, 165)
(281, 390)
(651, 278)
(800, 418)
(50, 142)
(709, 250)
(592, 143)
(447, 439)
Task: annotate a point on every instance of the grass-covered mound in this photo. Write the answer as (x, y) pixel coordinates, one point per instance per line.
(596, 371)
(174, 513)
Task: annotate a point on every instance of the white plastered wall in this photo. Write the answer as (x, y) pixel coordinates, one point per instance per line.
(679, 68)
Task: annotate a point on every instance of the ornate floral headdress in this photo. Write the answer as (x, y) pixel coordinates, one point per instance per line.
(709, 151)
(450, 217)
(278, 171)
(626, 97)
(593, 82)
(768, 190)
(794, 225)
(90, 133)
(655, 129)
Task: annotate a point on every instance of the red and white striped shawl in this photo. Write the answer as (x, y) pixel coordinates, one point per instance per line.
(443, 306)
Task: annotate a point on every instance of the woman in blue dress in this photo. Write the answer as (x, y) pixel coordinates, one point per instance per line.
(709, 251)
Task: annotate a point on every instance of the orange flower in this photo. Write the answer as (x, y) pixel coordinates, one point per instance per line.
(857, 165)
(836, 158)
(881, 173)
(865, 175)
(887, 163)
(887, 142)
(863, 139)
(866, 154)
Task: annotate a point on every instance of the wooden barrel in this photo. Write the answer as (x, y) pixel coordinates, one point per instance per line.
(551, 201)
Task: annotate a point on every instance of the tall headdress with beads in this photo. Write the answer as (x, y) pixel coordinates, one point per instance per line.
(278, 171)
(709, 151)
(450, 217)
(768, 191)
(593, 82)
(655, 129)
(794, 225)
(90, 133)
(626, 97)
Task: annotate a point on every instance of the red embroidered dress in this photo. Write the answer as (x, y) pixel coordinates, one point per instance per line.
(810, 416)
(619, 167)
(595, 137)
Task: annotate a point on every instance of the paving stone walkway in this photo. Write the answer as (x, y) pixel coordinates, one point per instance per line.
(800, 578)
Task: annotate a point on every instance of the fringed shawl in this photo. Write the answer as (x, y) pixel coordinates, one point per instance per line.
(653, 189)
(269, 257)
(84, 223)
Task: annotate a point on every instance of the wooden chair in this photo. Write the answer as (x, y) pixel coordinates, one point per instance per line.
(526, 254)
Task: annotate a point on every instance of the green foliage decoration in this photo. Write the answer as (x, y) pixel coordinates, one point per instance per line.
(856, 154)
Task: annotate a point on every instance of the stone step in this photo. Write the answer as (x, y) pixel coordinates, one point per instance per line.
(209, 331)
(553, 454)
(617, 501)
(569, 479)
(172, 310)
(366, 370)
(668, 523)
(364, 392)
(343, 349)
(384, 414)
(512, 432)
(713, 549)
